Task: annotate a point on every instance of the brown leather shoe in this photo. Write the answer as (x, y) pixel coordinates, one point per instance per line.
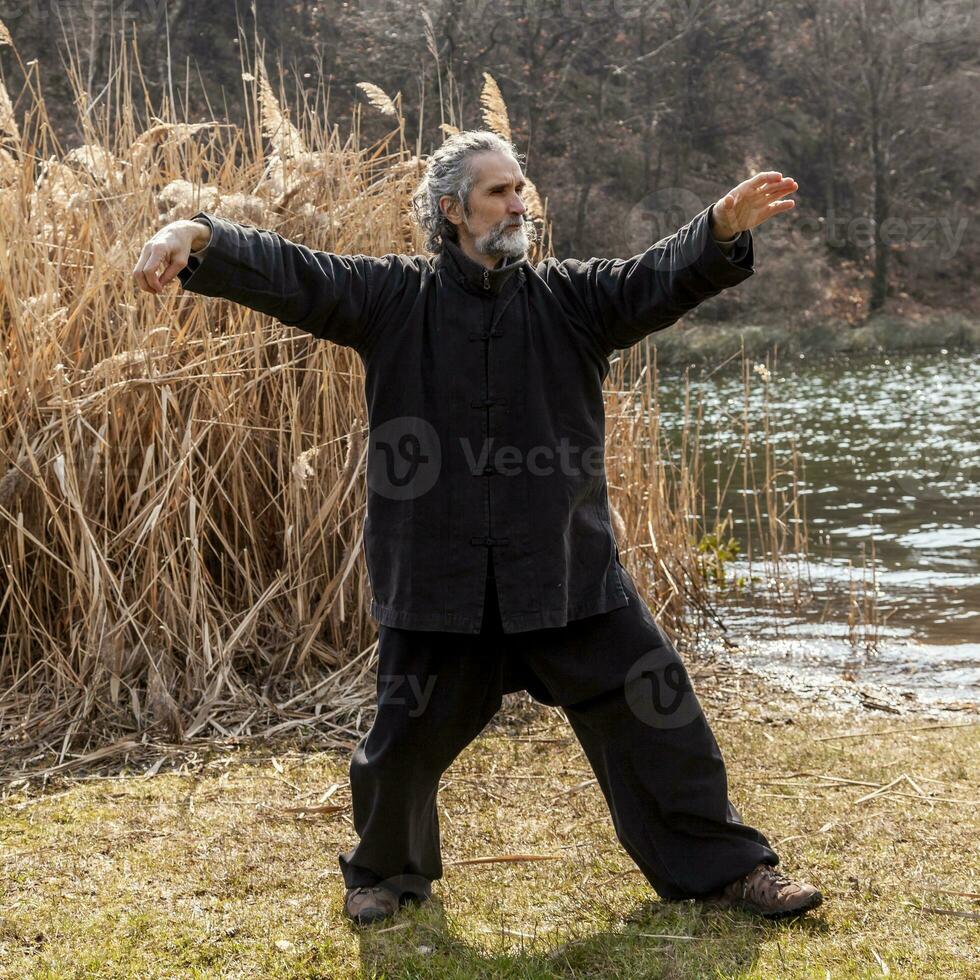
(771, 894)
(366, 905)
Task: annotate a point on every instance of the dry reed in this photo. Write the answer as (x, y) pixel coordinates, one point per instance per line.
(182, 480)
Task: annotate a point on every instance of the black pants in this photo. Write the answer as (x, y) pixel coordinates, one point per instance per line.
(629, 701)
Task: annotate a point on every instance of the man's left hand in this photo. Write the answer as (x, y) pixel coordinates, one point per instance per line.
(750, 203)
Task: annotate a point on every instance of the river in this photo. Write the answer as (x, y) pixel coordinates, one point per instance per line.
(891, 453)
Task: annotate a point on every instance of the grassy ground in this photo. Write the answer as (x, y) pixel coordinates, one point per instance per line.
(206, 873)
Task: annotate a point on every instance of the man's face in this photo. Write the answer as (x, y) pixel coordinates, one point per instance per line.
(495, 222)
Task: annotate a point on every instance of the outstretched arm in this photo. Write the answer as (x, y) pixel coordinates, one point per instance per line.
(328, 295)
(627, 299)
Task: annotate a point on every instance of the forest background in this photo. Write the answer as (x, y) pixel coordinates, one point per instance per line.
(633, 114)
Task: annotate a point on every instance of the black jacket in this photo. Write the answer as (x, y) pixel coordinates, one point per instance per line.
(484, 395)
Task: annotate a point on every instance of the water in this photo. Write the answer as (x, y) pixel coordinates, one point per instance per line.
(891, 453)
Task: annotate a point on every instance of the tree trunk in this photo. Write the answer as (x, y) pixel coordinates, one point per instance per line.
(583, 201)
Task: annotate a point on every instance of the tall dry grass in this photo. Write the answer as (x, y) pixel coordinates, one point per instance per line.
(182, 481)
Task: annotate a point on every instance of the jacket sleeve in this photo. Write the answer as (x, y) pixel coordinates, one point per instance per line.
(333, 297)
(627, 299)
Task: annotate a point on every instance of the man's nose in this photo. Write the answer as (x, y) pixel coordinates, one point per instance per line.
(517, 206)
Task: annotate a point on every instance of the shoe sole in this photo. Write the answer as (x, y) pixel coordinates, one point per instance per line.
(814, 900)
(368, 918)
(724, 904)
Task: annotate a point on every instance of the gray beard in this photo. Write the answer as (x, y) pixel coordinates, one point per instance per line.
(499, 243)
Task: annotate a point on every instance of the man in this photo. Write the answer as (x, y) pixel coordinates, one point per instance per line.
(491, 557)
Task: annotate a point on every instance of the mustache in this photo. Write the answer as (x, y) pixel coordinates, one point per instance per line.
(525, 224)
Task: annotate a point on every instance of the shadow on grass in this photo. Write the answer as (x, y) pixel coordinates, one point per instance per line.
(654, 939)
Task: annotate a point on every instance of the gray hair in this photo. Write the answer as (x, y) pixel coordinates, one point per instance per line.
(448, 172)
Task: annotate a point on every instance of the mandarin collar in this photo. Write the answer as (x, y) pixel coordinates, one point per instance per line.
(476, 276)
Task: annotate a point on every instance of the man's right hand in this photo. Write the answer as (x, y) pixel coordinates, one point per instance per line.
(169, 250)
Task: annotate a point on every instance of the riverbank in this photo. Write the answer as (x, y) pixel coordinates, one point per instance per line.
(692, 341)
(227, 866)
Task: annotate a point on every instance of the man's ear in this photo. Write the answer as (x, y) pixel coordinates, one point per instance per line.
(450, 209)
